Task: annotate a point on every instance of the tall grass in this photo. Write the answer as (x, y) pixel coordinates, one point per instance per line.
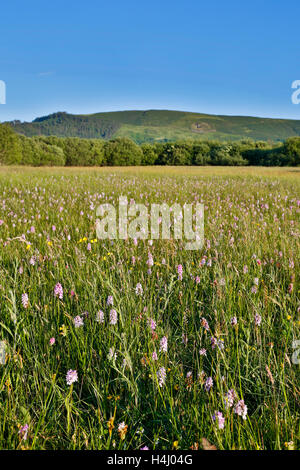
(249, 267)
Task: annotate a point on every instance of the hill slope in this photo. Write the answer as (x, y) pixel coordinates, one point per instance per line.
(159, 125)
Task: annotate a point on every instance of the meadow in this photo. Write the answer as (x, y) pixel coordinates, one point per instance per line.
(143, 344)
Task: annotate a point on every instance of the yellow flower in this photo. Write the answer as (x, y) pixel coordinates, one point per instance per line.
(289, 317)
(63, 330)
(290, 445)
(175, 445)
(8, 385)
(28, 247)
(49, 243)
(110, 424)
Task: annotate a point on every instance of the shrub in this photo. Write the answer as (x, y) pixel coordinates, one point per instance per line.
(122, 152)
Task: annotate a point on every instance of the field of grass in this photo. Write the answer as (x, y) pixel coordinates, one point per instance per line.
(156, 360)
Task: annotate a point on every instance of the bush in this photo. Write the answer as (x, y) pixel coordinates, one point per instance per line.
(175, 154)
(149, 154)
(10, 149)
(122, 152)
(291, 149)
(47, 155)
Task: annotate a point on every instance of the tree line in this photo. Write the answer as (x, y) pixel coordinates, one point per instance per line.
(16, 149)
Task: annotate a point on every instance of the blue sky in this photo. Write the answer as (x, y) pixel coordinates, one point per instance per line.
(220, 57)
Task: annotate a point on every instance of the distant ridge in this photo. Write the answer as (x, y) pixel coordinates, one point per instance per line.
(159, 126)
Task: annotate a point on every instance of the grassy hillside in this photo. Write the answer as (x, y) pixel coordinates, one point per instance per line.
(159, 125)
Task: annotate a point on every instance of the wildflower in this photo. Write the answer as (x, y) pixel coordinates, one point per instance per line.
(257, 320)
(71, 377)
(154, 356)
(180, 271)
(25, 300)
(58, 291)
(78, 321)
(204, 323)
(144, 448)
(52, 341)
(233, 321)
(229, 398)
(202, 352)
(241, 409)
(110, 425)
(150, 261)
(253, 289)
(256, 281)
(122, 430)
(290, 445)
(290, 288)
(152, 324)
(113, 317)
(197, 279)
(89, 247)
(163, 346)
(139, 289)
(112, 355)
(110, 300)
(245, 269)
(218, 416)
(100, 316)
(208, 384)
(23, 431)
(161, 375)
(63, 330)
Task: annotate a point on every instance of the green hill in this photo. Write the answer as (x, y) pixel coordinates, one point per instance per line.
(159, 126)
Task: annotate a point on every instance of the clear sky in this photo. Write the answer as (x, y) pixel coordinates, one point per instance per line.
(221, 57)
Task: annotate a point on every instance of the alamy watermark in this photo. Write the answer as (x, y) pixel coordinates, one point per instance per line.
(166, 222)
(296, 93)
(2, 352)
(2, 92)
(296, 353)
